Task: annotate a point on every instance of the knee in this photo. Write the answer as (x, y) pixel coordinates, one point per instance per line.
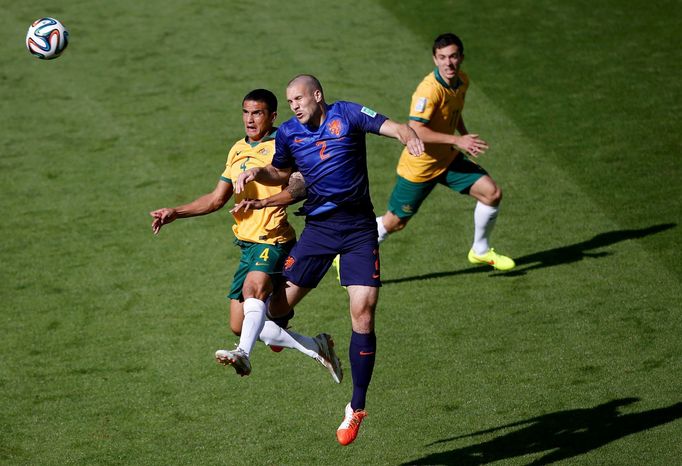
(363, 320)
(496, 196)
(257, 291)
(486, 191)
(492, 196)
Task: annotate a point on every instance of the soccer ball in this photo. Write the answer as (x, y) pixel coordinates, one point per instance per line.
(47, 38)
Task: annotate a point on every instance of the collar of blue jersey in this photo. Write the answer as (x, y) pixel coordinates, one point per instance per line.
(442, 82)
(314, 129)
(268, 137)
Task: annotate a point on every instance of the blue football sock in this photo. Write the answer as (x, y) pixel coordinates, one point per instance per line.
(361, 351)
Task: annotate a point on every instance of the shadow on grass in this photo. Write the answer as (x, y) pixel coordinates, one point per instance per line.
(551, 257)
(560, 435)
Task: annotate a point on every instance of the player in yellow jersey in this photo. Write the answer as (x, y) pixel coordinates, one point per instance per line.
(265, 238)
(435, 115)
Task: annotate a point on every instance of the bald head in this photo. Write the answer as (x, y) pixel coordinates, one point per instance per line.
(310, 82)
(306, 100)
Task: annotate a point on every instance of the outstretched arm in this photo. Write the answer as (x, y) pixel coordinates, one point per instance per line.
(267, 175)
(294, 192)
(201, 206)
(469, 143)
(403, 133)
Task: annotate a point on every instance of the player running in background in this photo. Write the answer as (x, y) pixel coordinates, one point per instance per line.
(265, 237)
(327, 144)
(435, 115)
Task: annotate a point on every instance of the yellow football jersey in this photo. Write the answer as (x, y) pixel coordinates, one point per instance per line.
(440, 107)
(269, 225)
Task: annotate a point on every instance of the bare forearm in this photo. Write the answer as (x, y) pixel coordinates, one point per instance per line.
(469, 143)
(283, 198)
(430, 136)
(272, 176)
(393, 129)
(294, 192)
(405, 134)
(267, 175)
(201, 206)
(204, 205)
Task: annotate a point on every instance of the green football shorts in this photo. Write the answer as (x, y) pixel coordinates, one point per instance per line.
(267, 258)
(407, 196)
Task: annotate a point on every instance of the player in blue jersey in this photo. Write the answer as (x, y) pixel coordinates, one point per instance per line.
(326, 143)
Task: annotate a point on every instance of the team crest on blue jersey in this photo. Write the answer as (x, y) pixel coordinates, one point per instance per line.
(335, 127)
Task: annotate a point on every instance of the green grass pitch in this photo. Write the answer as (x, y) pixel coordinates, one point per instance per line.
(107, 333)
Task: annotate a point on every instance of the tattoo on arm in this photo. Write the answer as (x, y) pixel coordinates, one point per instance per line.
(296, 186)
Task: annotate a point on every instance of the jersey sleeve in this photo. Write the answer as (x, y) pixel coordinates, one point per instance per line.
(424, 102)
(282, 157)
(363, 118)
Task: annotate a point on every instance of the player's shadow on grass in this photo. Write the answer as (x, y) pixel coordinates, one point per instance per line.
(551, 257)
(560, 435)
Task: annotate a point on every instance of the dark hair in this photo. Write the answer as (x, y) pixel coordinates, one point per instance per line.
(448, 39)
(262, 95)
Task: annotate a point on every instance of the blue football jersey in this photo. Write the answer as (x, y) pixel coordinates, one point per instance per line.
(332, 158)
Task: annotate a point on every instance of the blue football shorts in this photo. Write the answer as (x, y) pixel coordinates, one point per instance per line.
(351, 235)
